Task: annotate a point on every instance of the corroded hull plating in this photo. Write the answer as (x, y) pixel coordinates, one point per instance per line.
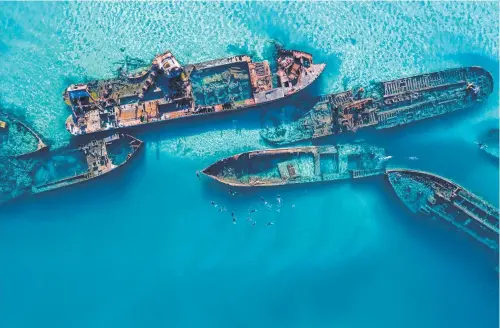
(386, 104)
(17, 139)
(64, 167)
(169, 91)
(98, 160)
(433, 196)
(274, 167)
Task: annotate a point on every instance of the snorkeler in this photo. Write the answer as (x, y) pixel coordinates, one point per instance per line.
(263, 200)
(198, 174)
(234, 220)
(278, 198)
(481, 145)
(270, 223)
(253, 210)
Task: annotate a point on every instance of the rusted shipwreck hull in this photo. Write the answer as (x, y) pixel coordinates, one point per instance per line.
(17, 139)
(272, 167)
(385, 105)
(168, 90)
(65, 167)
(97, 158)
(433, 196)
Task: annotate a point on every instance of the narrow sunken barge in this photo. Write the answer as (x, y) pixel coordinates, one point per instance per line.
(386, 104)
(90, 161)
(167, 90)
(433, 196)
(17, 138)
(273, 167)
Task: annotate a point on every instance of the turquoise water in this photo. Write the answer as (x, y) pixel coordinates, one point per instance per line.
(145, 248)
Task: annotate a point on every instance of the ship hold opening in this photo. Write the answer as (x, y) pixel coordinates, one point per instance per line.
(221, 84)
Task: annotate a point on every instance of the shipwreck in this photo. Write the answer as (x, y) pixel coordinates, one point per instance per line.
(168, 90)
(66, 166)
(272, 167)
(436, 197)
(17, 138)
(385, 104)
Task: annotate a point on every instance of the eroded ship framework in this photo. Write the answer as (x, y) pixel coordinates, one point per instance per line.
(167, 90)
(386, 104)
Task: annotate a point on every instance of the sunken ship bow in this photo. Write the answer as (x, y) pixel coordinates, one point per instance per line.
(17, 139)
(168, 90)
(272, 167)
(433, 196)
(384, 105)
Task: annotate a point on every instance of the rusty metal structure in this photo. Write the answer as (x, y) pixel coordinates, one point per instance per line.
(168, 90)
(273, 167)
(65, 167)
(436, 197)
(386, 104)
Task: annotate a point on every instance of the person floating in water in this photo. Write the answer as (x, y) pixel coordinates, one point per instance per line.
(232, 192)
(278, 198)
(213, 203)
(234, 220)
(198, 174)
(481, 145)
(252, 210)
(413, 158)
(270, 223)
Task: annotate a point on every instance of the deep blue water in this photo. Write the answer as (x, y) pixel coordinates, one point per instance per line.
(144, 247)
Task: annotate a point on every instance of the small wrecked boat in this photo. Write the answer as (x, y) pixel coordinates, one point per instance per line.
(168, 90)
(17, 138)
(273, 167)
(489, 142)
(67, 166)
(433, 196)
(384, 105)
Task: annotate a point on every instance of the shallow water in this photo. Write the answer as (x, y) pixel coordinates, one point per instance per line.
(144, 247)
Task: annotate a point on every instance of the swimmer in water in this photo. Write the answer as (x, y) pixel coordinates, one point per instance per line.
(412, 158)
(213, 203)
(253, 223)
(386, 158)
(293, 205)
(262, 199)
(234, 220)
(278, 198)
(232, 214)
(481, 145)
(253, 210)
(270, 223)
(198, 174)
